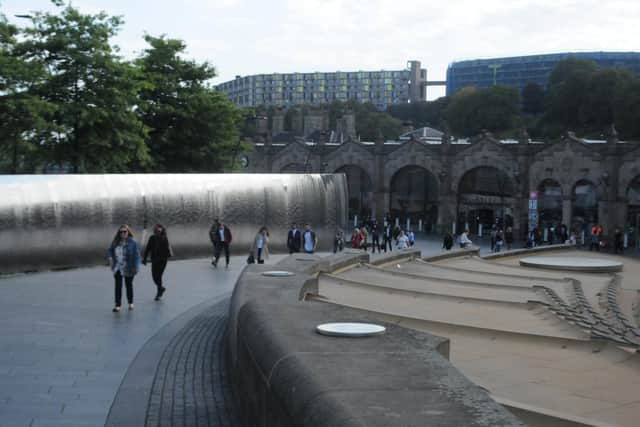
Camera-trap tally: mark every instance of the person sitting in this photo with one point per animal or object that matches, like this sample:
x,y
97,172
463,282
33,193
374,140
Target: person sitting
x,y
464,239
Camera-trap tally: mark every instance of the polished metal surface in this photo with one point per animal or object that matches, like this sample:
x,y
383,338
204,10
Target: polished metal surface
x,y
350,329
49,221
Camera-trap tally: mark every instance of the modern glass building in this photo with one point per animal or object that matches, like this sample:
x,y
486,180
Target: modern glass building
x,y
380,88
517,71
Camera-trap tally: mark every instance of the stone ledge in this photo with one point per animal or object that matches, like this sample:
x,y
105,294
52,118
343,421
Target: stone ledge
x,y
286,374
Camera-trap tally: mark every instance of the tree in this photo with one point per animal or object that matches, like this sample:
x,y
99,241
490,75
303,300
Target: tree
x,y
567,92
472,110
532,99
21,113
421,114
93,90
193,127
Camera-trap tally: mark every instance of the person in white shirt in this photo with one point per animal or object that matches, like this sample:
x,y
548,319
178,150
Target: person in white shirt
x,y
309,239
260,247
464,239
403,241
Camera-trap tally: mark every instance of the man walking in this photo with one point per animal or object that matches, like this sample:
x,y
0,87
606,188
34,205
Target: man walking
x,y
309,239
387,237
294,239
220,236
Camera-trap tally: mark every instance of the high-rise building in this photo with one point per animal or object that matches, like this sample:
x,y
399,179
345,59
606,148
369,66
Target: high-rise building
x,y
381,88
518,71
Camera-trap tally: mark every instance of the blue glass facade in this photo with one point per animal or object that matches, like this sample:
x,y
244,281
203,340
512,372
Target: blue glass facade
x,y
517,71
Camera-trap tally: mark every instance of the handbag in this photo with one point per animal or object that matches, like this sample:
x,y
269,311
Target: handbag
x,y
250,259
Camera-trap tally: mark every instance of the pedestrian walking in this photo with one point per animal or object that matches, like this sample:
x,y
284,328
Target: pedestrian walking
x,y
387,237
309,239
508,237
260,246
618,241
447,241
124,260
220,236
338,241
160,250
411,236
294,239
375,239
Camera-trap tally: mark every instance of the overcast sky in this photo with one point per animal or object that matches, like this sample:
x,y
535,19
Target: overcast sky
x,y
241,37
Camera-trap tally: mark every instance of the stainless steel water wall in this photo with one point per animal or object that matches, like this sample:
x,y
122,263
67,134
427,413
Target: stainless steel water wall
x,y
57,221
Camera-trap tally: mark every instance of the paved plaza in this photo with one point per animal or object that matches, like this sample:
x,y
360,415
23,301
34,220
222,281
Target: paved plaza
x,y
67,360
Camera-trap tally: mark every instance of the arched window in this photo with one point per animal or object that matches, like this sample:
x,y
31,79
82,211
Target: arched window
x,y
414,196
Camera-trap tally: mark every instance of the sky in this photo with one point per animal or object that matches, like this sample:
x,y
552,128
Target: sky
x,y
241,37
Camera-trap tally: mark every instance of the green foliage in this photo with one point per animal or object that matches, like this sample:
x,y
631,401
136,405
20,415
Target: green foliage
x,y
532,99
421,114
22,114
471,110
588,100
193,127
92,89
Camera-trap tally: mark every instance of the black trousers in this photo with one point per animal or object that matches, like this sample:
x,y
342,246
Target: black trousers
x,y
128,282
219,248
375,244
157,270
388,242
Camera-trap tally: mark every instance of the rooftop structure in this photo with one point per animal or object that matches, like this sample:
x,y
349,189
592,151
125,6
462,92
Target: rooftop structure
x,y
518,71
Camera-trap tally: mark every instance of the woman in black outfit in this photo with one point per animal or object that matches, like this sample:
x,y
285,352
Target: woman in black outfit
x,y
160,249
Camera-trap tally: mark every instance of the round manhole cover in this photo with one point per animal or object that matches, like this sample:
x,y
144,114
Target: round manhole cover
x,y
278,273
350,329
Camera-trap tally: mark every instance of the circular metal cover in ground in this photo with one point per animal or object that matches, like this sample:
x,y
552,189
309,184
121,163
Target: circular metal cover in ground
x,y
350,329
278,273
585,264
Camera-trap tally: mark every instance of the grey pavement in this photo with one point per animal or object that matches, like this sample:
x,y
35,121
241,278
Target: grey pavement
x,y
64,353
66,359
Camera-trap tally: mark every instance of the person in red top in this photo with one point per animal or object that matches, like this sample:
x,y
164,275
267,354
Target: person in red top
x,y
596,237
220,236
356,239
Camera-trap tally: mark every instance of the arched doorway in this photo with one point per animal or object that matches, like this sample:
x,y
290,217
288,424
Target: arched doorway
x,y
485,198
550,202
584,206
633,211
413,196
360,191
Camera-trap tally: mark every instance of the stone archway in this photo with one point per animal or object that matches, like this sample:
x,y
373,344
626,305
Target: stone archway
x,y
633,211
485,199
584,206
360,191
413,197
293,168
550,202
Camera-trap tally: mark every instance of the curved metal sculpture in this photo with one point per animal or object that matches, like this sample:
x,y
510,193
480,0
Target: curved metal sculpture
x,y
57,221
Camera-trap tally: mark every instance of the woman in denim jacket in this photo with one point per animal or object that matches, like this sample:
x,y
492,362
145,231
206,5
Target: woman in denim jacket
x,y
124,259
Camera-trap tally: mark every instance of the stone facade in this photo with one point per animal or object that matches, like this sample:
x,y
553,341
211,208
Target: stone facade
x,y
607,168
